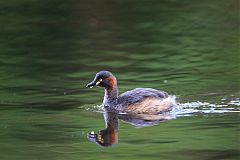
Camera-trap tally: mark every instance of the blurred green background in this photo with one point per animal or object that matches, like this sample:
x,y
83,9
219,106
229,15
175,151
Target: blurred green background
x,y
49,51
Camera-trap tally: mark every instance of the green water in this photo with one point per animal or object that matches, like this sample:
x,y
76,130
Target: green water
x,y
49,51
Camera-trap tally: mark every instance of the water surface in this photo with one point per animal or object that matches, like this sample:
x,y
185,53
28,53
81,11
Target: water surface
x,y
49,51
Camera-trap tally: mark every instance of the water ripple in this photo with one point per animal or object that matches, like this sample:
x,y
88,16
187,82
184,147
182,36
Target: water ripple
x,y
194,108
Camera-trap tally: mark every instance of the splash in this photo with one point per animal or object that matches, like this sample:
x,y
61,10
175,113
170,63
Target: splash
x,y
195,108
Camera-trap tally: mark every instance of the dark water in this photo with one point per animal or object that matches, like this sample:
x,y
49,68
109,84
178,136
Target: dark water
x,y
49,51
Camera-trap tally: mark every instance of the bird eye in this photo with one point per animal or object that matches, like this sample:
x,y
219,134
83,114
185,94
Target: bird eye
x,y
99,81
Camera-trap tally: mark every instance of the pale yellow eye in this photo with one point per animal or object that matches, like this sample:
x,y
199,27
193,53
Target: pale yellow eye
x,y
99,81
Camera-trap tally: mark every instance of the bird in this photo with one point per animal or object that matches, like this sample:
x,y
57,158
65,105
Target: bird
x,y
137,101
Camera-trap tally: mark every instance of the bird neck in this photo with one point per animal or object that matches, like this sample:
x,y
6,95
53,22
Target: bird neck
x,y
111,94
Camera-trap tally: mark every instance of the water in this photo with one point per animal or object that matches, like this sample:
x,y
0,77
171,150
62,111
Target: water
x,y
49,51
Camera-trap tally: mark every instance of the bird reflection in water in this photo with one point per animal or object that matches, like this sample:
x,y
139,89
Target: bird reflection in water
x,y
109,136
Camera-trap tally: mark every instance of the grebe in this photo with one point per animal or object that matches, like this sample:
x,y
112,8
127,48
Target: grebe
x,y
139,100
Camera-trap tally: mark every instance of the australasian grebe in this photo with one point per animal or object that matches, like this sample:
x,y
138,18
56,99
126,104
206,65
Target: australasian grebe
x,y
139,100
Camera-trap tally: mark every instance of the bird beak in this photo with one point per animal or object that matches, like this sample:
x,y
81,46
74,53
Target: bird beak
x,y
94,83
91,84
